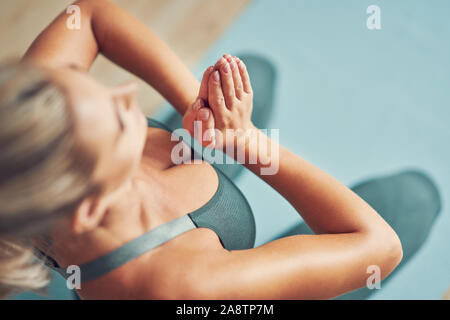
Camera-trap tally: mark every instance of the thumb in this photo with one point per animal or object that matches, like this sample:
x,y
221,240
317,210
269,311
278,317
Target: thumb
x,y
204,127
190,115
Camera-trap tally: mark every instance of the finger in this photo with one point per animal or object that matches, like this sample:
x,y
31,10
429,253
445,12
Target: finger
x,y
199,103
227,83
227,56
191,114
238,86
203,92
205,127
216,99
245,77
219,63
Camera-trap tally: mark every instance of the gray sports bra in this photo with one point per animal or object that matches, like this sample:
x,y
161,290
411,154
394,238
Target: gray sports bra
x,y
227,213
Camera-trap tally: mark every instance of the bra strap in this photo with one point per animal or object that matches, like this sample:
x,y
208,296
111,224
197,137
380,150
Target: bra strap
x,y
152,123
132,249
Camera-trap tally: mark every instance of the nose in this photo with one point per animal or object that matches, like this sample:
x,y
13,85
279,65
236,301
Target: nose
x,y
129,87
127,92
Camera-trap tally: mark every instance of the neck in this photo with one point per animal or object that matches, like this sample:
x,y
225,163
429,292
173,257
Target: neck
x,y
124,218
134,208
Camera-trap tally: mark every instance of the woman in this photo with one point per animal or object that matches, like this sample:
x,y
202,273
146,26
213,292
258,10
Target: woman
x,y
87,183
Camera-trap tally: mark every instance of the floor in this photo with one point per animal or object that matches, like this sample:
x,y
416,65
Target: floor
x,y
357,103
190,27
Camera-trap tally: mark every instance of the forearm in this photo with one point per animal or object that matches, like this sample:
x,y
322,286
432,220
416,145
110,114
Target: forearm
x,y
325,204
110,30
129,43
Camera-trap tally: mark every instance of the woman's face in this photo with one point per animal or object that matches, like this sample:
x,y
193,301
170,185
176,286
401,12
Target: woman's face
x,y
108,125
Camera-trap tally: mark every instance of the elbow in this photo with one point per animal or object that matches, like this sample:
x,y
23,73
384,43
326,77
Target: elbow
x,y
394,252
388,251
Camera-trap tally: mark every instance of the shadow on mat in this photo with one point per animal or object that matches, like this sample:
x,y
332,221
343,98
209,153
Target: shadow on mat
x,y
409,202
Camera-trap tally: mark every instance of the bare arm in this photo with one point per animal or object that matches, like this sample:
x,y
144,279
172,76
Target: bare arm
x,y
111,31
326,204
351,236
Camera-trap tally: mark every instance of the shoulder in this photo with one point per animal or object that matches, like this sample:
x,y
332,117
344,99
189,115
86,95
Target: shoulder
x,y
174,270
177,269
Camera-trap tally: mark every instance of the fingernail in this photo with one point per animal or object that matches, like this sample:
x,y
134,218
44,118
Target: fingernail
x,y
241,64
233,64
226,68
216,75
203,114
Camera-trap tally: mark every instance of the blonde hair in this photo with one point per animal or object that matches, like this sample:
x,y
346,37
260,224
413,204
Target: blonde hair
x,y
43,174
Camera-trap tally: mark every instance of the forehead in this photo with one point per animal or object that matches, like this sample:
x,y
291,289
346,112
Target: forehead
x,y
86,97
77,84
90,104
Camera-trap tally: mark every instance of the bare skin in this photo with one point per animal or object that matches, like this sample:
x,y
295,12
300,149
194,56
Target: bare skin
x,y
143,189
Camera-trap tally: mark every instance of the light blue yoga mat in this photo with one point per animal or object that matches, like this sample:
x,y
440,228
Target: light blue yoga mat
x,y
358,103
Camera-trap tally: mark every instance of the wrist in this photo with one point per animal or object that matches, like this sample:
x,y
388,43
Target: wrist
x,y
249,141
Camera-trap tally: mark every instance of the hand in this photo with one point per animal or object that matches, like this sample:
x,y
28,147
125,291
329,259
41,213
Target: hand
x,y
199,111
223,106
230,98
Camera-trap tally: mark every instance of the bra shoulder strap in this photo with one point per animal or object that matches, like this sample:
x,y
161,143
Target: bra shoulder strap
x,y
49,262
135,248
152,123
128,251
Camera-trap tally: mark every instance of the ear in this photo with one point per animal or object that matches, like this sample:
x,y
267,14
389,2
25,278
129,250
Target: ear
x,y
88,215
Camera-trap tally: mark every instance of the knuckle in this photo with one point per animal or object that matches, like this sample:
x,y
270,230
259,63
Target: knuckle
x,y
242,112
229,96
219,101
226,122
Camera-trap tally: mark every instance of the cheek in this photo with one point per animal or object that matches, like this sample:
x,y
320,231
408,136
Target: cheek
x,y
142,125
132,153
122,168
140,134
131,158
